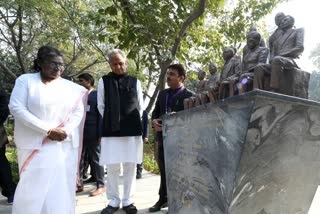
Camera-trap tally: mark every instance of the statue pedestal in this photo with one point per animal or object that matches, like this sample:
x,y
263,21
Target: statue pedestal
x,y
257,153
294,82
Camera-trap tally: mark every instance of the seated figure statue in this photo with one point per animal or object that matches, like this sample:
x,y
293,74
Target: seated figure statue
x,y
253,56
214,77
285,75
210,92
201,96
202,81
212,86
230,73
262,42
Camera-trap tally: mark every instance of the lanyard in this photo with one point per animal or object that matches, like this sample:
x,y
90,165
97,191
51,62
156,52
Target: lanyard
x,y
172,97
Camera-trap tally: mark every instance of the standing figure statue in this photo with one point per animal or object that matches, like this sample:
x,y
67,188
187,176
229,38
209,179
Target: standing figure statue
x,y
230,73
253,56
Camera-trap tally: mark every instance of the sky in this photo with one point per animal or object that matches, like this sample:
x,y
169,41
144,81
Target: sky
x,y
307,16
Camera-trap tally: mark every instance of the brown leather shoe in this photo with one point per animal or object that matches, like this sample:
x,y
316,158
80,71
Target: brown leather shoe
x,y
98,191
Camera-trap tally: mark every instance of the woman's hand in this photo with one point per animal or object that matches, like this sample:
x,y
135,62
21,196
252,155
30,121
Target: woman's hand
x,y
57,134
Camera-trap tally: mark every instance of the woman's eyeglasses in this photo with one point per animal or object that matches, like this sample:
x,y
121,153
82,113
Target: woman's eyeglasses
x,y
54,65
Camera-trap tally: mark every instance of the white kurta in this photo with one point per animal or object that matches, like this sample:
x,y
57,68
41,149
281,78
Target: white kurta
x,y
51,174
120,149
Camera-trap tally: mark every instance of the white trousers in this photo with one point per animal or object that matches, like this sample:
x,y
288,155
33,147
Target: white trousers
x,y
48,184
129,181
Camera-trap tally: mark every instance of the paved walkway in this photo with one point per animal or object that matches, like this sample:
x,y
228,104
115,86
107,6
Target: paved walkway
x,y
146,195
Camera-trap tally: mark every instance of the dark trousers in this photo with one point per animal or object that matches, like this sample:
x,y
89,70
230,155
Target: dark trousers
x,y
6,182
92,150
84,165
161,163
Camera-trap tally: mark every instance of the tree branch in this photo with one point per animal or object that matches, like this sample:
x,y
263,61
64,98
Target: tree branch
x,y
74,58
86,67
193,16
7,70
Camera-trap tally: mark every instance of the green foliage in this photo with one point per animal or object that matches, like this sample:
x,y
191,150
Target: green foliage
x,y
9,130
314,86
161,32
154,33
315,56
11,154
314,83
149,161
27,25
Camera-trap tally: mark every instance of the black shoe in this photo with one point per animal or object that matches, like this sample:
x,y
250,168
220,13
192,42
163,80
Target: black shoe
x,y
130,209
139,175
158,206
10,200
109,210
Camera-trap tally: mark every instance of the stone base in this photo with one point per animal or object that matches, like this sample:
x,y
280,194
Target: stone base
x,y
294,82
258,153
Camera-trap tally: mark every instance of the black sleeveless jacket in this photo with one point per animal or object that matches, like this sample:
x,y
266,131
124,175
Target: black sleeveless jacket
x,y
121,115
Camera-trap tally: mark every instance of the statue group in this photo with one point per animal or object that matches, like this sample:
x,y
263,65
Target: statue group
x,y
280,75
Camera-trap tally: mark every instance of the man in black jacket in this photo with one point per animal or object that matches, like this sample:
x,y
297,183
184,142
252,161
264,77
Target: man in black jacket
x,y
91,135
120,102
169,100
6,183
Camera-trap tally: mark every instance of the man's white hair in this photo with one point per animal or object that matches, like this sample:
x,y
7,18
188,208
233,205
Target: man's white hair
x,y
114,52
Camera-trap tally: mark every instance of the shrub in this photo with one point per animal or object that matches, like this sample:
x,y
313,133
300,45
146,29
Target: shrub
x,y
11,153
149,161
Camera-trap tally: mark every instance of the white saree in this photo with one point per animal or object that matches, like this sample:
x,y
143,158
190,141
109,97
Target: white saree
x,y
47,185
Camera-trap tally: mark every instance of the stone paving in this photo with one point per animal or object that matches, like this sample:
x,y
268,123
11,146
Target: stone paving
x,y
146,195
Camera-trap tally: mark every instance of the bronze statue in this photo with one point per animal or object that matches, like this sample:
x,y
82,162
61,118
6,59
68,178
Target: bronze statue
x,y
262,43
202,81
286,45
214,77
253,56
276,34
230,73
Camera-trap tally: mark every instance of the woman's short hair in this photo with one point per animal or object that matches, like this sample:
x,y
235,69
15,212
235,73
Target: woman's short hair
x,y
45,53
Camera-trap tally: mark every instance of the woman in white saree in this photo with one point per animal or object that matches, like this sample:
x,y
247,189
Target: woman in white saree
x,y
48,112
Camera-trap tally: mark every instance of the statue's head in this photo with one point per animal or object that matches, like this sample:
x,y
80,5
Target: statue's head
x,y
212,68
253,39
287,22
201,75
252,28
278,18
228,53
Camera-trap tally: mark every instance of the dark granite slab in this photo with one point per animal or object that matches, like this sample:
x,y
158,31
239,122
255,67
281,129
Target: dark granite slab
x,y
255,153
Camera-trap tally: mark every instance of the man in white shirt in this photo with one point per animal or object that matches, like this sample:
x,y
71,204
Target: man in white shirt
x,y
120,103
